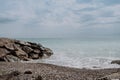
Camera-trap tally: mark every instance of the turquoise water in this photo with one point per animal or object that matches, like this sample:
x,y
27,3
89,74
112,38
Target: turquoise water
x,y
81,53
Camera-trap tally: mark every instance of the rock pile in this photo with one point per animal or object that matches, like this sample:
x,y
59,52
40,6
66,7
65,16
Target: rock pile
x,y
15,50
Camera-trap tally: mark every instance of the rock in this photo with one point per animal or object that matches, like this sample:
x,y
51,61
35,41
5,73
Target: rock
x,y
11,58
47,52
27,49
28,72
3,52
42,48
35,45
103,78
1,44
10,76
114,76
15,50
116,62
15,73
37,51
9,46
21,54
34,56
38,77
22,43
6,40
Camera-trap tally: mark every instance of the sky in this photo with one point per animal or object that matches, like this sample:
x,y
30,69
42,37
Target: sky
x,y
59,18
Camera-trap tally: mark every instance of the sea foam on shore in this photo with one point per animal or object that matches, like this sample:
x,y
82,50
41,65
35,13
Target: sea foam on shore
x,y
81,53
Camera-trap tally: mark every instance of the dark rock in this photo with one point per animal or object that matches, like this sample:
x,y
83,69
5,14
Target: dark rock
x,y
38,77
27,49
22,43
16,47
28,72
47,52
10,76
20,53
42,48
37,51
3,52
10,46
116,62
11,58
114,76
34,56
35,45
103,78
15,73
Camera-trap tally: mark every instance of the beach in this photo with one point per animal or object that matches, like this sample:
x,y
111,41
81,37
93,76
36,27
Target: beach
x,y
51,72
21,60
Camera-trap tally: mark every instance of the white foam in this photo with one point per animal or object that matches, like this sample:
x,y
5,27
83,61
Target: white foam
x,y
82,53
86,62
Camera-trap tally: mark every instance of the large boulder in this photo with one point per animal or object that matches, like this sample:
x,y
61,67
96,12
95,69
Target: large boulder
x,y
27,49
9,46
11,58
116,62
3,53
15,50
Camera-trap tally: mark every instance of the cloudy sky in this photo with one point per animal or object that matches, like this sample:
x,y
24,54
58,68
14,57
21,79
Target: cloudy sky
x,y
59,18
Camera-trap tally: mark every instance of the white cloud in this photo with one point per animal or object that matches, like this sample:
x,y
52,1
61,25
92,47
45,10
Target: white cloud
x,y
51,15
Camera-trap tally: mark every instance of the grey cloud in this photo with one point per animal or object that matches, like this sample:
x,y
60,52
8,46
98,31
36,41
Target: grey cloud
x,y
57,17
6,20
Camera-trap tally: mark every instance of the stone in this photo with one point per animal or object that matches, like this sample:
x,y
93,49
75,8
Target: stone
x,y
3,52
9,46
37,51
35,45
103,78
38,77
28,72
47,52
11,76
15,73
22,43
16,47
34,56
11,58
114,76
20,53
42,48
116,62
27,49
15,50
1,44
6,40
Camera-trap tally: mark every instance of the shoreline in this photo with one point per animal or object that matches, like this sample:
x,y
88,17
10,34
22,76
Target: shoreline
x,y
54,72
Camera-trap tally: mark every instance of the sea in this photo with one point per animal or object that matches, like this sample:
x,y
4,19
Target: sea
x,y
89,53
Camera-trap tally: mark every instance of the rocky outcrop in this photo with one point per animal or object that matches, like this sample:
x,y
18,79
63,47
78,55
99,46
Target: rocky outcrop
x,y
15,50
116,62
